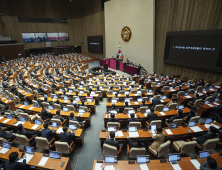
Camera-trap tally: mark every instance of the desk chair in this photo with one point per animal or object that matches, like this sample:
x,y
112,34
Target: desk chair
x,y
143,91
206,86
58,121
165,88
162,150
179,121
27,116
191,91
184,147
173,106
43,143
85,108
153,84
100,94
111,150
133,91
11,140
197,103
134,152
209,99
63,147
159,107
195,118
17,100
208,144
45,104
180,93
109,92
56,106
199,89
127,109
142,109
23,140
113,124
70,107
154,122
34,103
137,124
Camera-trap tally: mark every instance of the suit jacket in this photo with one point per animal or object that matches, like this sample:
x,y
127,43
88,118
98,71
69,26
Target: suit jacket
x,y
158,140
132,120
40,90
135,144
46,133
66,137
206,136
218,109
112,142
205,166
177,116
13,165
113,120
214,96
6,135
151,116
26,133
58,117
155,102
45,115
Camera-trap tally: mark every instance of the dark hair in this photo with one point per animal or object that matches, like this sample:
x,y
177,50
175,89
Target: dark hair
x,y
13,156
159,129
139,140
7,107
212,162
45,125
71,99
45,99
143,102
20,127
192,111
213,129
132,115
112,115
65,128
58,112
180,112
208,93
112,134
71,114
197,95
151,109
126,103
57,101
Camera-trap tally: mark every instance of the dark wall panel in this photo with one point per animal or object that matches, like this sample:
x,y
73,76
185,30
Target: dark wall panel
x,y
11,52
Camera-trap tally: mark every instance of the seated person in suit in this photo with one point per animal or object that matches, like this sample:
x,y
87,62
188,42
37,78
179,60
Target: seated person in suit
x,y
125,106
143,103
218,109
21,97
158,138
111,140
57,102
207,95
46,132
137,144
73,118
8,109
211,164
71,102
6,134
40,90
155,101
151,116
214,96
212,133
12,163
67,136
36,99
191,103
113,118
12,89
133,119
179,115
57,116
44,113
21,131
188,117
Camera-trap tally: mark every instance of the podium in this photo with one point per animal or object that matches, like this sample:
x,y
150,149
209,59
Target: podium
x,y
132,70
114,63
122,66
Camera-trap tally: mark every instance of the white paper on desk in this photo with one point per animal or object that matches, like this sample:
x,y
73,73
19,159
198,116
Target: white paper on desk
x,y
172,90
137,94
4,150
42,98
168,131
162,100
216,103
98,166
22,106
31,108
210,105
19,122
162,113
217,86
200,94
196,129
59,130
109,167
28,158
68,93
119,133
65,101
188,96
218,127
43,161
207,125
5,121
195,163
130,116
1,118
211,89
150,93
145,114
35,126
136,102
176,166
6,101
144,167
133,134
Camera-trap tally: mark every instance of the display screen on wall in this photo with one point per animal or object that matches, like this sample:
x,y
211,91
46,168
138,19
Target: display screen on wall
x,y
28,37
196,49
41,37
95,44
63,36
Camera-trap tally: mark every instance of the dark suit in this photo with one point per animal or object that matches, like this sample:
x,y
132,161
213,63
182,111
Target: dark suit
x,y
12,89
26,133
40,90
132,120
135,144
45,115
151,116
113,120
13,165
203,138
189,117
112,142
46,133
6,135
58,117
174,117
155,102
66,137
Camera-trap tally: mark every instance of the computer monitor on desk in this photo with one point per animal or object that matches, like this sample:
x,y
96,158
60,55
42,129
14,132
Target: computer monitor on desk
x,y
6,145
147,110
65,109
54,124
164,97
29,150
114,101
50,107
45,95
208,120
111,129
216,100
174,157
131,111
166,109
206,102
111,159
9,116
54,155
139,99
114,111
81,110
38,122
181,107
173,125
204,154
192,123
72,127
143,159
132,129
89,100
22,119
152,127
26,103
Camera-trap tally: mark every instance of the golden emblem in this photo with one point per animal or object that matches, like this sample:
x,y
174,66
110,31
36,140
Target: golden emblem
x,y
126,33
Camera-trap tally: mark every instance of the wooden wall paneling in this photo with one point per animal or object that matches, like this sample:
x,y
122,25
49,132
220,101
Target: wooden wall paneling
x,y
11,51
185,15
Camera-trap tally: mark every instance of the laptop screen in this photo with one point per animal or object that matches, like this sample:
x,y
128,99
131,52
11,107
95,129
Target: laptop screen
x,y
153,127
143,159
54,155
6,145
113,111
92,92
72,127
131,111
174,157
81,110
114,101
22,119
110,159
192,123
26,103
29,92
9,116
139,100
150,91
77,99
171,88
55,97
181,106
45,95
138,92
111,129
54,124
204,154
81,92
29,150
147,110
38,122
216,100
132,128
173,125
164,97
50,107
60,90
165,109
206,102
37,105
209,120
70,91
89,100
186,94
65,109
66,98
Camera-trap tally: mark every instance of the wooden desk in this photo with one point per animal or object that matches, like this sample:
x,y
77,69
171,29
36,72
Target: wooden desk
x,y
185,164
184,99
50,164
204,108
169,93
10,103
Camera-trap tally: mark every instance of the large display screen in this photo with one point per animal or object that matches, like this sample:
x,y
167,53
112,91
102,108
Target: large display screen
x,y
197,49
95,44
